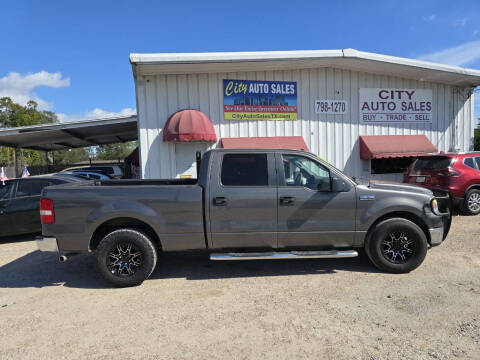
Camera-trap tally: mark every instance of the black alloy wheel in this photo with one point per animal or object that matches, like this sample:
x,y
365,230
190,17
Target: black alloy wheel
x,y
396,245
126,257
124,260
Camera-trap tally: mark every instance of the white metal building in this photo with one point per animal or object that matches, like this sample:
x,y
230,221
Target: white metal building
x,y
334,97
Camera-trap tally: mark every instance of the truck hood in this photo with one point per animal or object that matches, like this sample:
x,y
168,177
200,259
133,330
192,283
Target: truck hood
x,y
395,186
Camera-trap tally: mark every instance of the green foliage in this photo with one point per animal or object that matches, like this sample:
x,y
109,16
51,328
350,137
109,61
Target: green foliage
x,y
115,151
72,156
15,115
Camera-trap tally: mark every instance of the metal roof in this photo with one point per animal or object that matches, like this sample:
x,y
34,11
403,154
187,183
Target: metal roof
x,y
60,136
184,63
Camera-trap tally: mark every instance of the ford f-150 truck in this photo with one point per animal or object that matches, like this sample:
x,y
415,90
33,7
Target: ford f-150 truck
x,y
246,204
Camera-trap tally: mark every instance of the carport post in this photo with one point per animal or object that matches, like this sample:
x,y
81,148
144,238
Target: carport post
x,y
15,161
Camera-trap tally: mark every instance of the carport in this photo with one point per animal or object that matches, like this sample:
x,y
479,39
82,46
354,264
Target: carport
x,y
64,136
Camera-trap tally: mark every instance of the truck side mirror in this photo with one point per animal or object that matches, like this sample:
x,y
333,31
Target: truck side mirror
x,y
339,185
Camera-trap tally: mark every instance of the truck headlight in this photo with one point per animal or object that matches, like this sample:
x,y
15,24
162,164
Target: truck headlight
x,y
434,206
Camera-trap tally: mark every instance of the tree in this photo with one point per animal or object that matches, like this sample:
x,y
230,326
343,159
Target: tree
x,y
118,151
16,115
72,156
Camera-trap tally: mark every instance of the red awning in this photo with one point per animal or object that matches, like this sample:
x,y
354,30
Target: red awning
x,y
391,146
189,125
274,142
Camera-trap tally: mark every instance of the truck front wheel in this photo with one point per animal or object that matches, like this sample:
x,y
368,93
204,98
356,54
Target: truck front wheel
x,y
396,245
126,257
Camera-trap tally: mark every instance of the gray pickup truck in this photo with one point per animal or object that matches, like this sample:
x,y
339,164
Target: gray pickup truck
x,y
246,204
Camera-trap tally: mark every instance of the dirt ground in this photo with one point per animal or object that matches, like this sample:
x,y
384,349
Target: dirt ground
x,y
192,308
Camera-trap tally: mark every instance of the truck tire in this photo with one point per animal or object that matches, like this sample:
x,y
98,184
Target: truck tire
x,y
471,204
126,257
396,245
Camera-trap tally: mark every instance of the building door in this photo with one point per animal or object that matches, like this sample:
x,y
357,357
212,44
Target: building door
x,y
185,162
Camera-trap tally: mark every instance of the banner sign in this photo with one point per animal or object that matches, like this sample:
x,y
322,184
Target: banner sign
x,y
259,100
395,105
333,107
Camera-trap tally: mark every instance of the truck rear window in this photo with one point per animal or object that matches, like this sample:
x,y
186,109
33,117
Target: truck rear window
x,y
433,163
244,170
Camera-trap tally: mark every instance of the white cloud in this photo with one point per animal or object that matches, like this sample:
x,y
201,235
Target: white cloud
x,y
460,22
459,55
20,87
96,113
429,18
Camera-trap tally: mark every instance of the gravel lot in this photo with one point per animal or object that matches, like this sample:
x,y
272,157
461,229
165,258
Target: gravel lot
x,y
192,308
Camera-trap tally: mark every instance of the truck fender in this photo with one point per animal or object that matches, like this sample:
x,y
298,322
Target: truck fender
x,y
384,206
129,209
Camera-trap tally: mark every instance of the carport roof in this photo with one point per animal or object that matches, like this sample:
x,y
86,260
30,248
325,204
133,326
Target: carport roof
x,y
61,136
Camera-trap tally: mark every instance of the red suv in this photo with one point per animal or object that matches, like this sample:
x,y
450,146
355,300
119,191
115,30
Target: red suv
x,y
457,173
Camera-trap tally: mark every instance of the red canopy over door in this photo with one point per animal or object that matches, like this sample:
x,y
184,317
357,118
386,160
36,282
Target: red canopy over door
x,y
391,146
189,125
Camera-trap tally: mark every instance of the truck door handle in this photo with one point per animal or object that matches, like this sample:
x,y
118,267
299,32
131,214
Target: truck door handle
x,y
287,201
220,201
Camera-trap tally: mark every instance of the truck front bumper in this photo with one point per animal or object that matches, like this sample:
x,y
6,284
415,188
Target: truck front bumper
x,y
436,235
47,243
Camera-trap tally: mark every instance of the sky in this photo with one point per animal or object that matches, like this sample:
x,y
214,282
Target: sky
x,y
72,57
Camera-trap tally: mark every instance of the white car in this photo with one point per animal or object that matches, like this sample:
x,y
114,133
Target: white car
x,y
112,170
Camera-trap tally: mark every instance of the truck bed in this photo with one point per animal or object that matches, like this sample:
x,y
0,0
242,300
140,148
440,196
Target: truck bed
x,y
124,182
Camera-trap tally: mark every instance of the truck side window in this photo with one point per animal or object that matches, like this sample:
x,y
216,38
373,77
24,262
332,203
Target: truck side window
x,y
244,170
303,172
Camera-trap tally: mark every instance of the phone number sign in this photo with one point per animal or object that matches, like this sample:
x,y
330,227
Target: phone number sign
x,y
331,107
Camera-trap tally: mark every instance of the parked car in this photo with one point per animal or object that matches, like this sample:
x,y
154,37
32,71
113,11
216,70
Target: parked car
x,y
247,204
111,170
20,203
91,175
459,174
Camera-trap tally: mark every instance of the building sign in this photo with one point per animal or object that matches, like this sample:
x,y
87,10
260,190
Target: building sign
x,y
335,107
395,105
259,100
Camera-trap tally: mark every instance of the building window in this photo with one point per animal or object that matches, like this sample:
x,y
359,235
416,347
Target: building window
x,y
244,170
391,165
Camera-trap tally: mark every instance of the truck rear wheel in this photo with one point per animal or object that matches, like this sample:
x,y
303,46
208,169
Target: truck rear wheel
x,y
396,245
126,257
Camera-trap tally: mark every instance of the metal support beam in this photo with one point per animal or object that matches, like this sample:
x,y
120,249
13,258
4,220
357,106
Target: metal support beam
x,y
80,137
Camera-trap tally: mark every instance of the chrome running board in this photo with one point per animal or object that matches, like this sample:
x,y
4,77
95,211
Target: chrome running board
x,y
331,254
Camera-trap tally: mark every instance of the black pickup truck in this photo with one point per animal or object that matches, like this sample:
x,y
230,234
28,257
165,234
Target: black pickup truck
x,y
246,204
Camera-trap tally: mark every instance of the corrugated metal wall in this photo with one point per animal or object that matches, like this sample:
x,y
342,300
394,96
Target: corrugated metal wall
x,y
332,137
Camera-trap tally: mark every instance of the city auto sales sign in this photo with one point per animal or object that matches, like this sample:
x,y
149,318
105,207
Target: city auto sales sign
x,y
395,105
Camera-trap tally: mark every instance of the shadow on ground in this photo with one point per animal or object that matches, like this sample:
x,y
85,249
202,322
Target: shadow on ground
x,y
17,238
38,269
